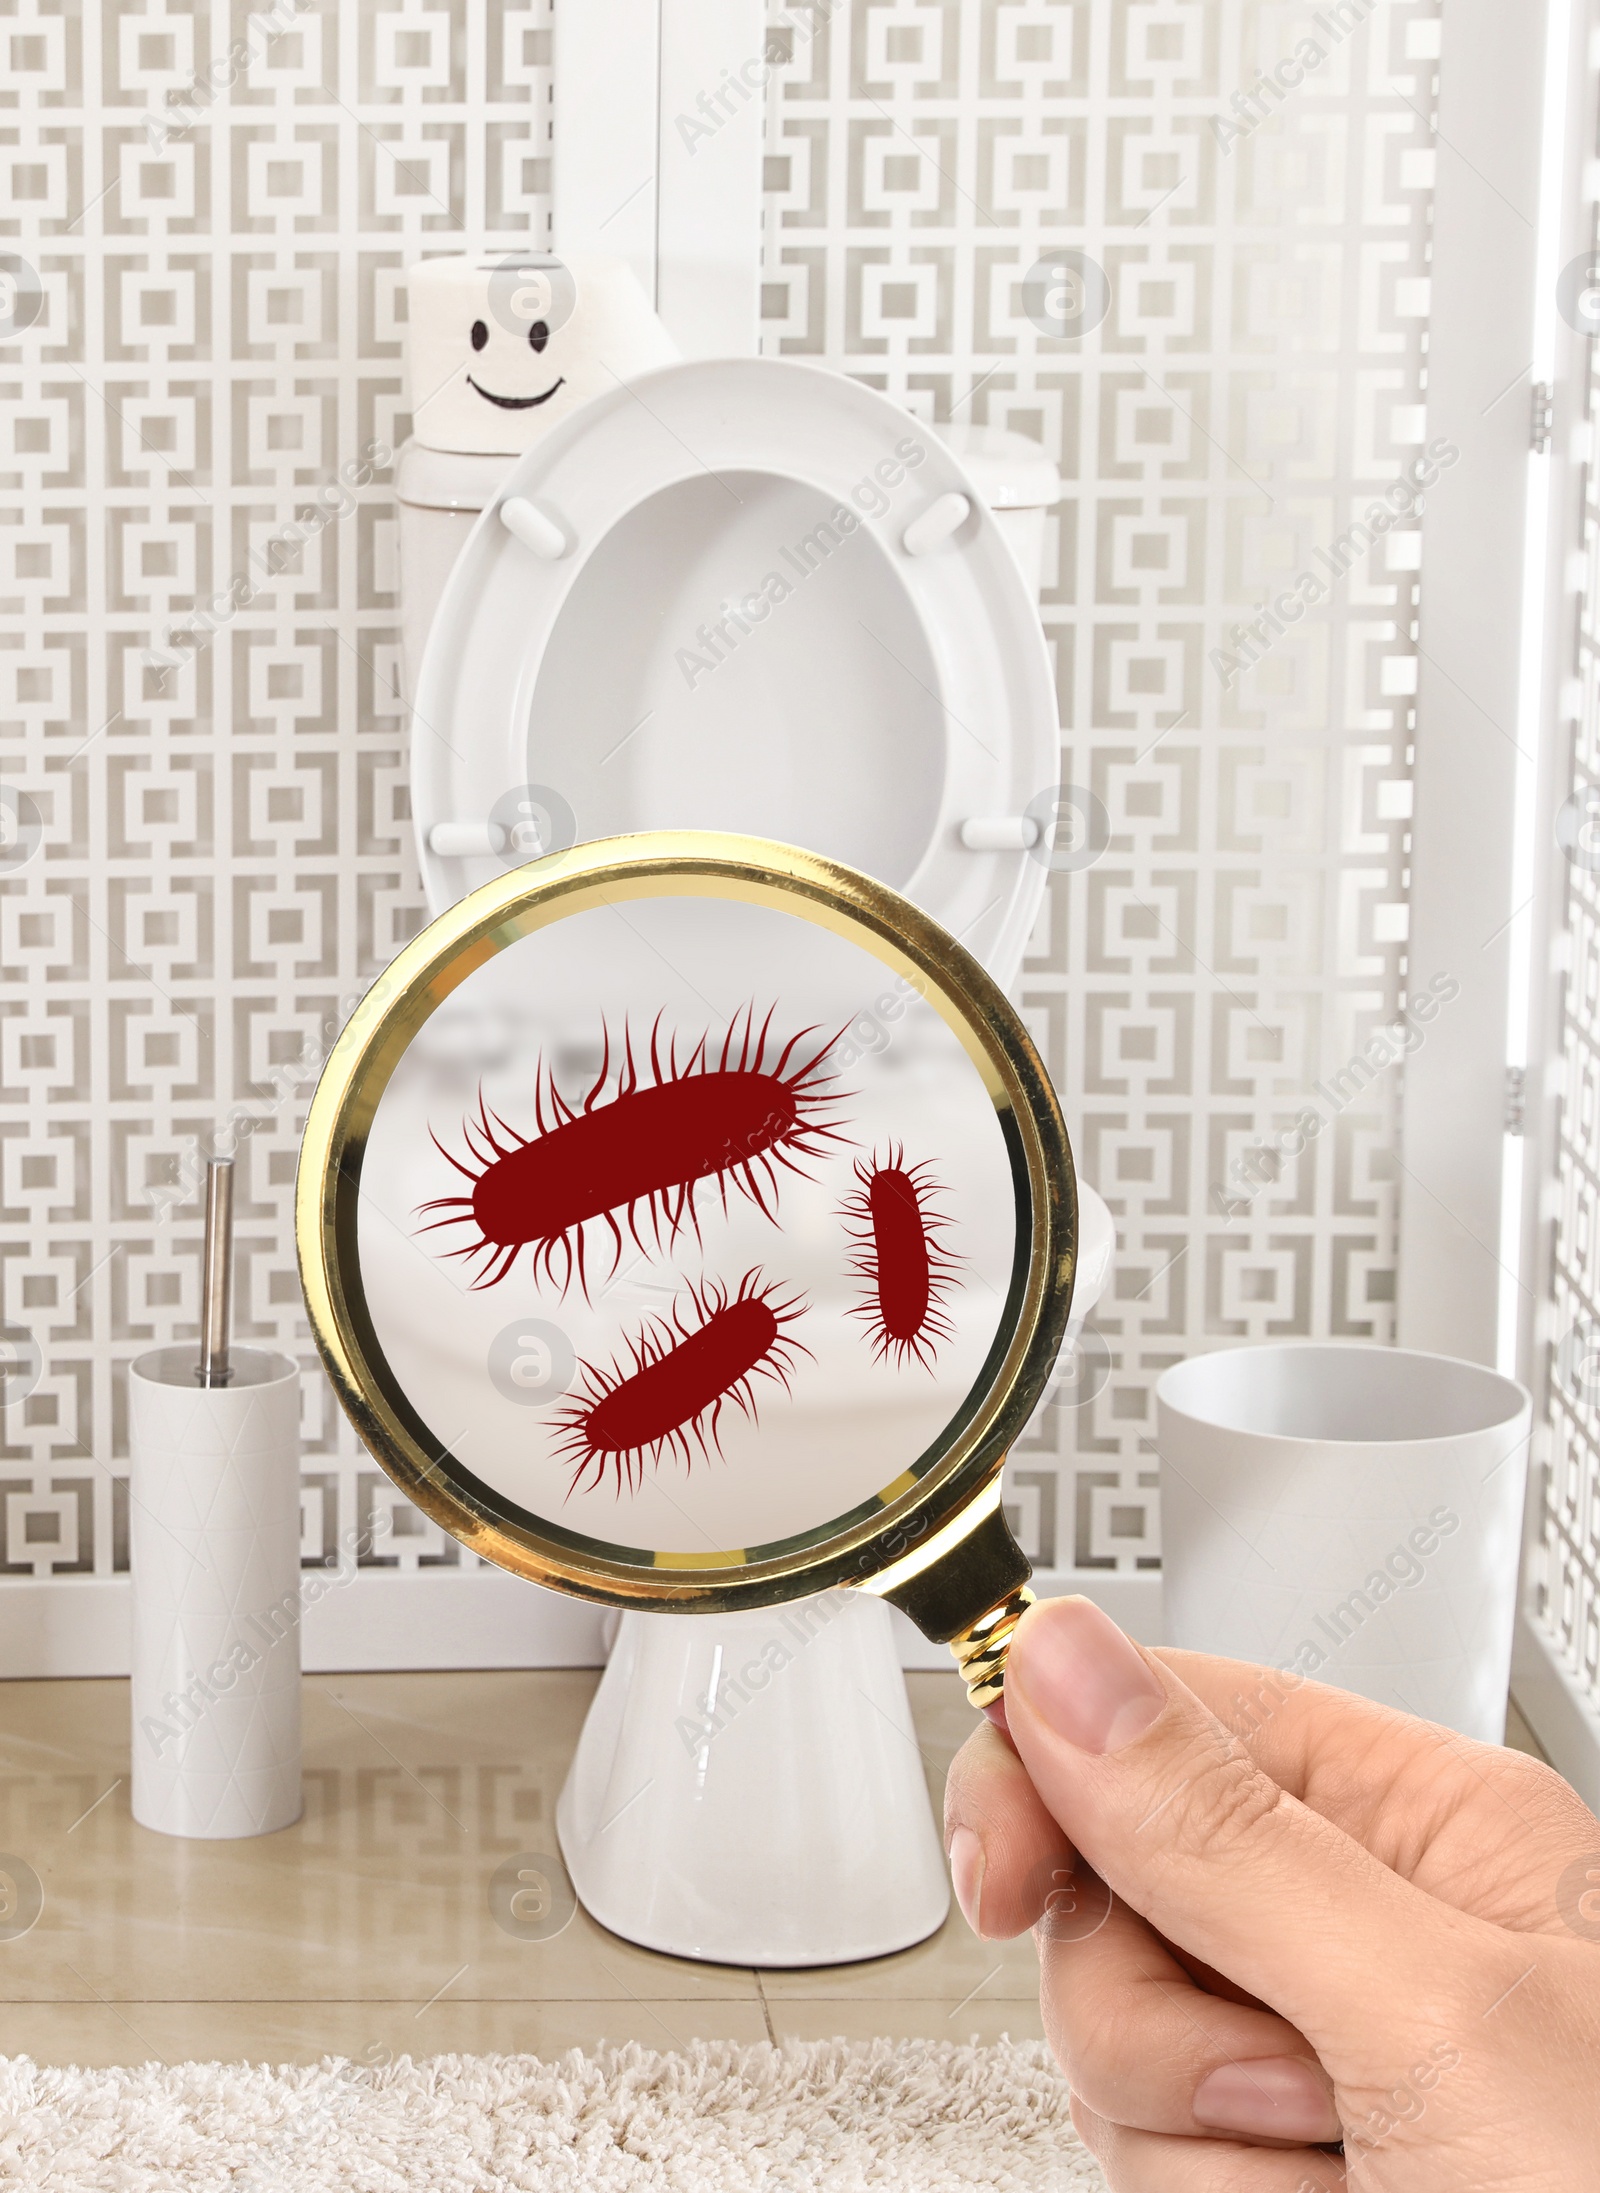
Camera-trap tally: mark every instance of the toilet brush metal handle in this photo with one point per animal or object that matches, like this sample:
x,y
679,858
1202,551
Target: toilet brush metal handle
x,y
216,1303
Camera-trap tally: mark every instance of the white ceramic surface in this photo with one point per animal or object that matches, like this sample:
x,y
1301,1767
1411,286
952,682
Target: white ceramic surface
x,y
783,665
474,379
1351,1512
214,1551
748,1789
1097,1245
791,1824
884,700
1019,484
440,493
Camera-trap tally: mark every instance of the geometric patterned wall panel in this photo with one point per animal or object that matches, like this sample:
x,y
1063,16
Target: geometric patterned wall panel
x,y
199,720
204,215
1565,1565
1221,950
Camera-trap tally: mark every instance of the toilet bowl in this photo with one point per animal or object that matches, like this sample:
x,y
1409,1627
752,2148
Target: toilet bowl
x,y
755,596
735,595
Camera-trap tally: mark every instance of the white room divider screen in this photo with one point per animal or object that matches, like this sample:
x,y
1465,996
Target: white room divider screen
x,y
206,216
1557,1674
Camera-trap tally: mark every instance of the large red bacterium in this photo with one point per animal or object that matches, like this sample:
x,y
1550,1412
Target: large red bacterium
x,y
683,1370
894,1234
730,1114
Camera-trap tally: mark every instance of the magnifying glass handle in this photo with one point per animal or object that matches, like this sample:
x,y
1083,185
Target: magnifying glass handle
x,y
981,1653
966,1588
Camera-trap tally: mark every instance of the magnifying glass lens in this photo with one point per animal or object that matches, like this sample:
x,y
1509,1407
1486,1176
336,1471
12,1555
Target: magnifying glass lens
x,y
687,1221
687,1226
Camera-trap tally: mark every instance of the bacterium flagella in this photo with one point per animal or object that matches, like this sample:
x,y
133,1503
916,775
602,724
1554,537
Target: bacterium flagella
x,y
735,1113
681,1372
897,1255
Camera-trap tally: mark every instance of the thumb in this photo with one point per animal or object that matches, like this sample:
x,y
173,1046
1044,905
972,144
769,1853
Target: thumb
x,y
1171,1810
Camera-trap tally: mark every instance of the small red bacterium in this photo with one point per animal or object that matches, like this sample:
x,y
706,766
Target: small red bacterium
x,y
723,1115
894,1236
670,1396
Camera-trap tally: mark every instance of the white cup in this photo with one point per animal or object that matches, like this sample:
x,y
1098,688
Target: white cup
x,y
1352,1513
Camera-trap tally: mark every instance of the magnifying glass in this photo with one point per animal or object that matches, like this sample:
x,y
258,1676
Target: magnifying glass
x,y
687,1222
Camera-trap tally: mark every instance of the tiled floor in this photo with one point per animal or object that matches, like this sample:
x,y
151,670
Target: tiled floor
x,y
365,1930
1518,1734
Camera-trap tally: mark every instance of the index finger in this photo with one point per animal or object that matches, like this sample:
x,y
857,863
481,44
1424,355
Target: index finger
x,y
1480,1827
1174,1815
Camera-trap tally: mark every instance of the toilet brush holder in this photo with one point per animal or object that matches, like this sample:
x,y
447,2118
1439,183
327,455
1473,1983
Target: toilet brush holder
x,y
214,1550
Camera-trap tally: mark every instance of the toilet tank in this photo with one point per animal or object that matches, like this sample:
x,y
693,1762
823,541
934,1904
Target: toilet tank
x,y
441,492
1017,481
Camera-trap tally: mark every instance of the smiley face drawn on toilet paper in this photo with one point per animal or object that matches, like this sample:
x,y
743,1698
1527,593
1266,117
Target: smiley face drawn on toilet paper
x,y
500,348
528,301
538,338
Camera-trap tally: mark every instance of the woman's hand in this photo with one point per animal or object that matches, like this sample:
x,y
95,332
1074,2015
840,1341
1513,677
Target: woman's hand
x,y
1272,1917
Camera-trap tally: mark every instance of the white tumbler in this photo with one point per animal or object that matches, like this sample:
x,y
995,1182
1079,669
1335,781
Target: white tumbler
x,y
214,1550
1351,1513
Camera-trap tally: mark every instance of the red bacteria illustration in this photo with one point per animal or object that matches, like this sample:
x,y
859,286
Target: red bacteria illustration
x,y
682,1371
723,1115
895,1229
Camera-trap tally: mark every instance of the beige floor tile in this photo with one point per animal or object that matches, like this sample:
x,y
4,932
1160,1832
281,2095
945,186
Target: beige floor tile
x,y
366,2033
909,2018
943,1717
344,1936
948,1966
419,1788
366,1929
1519,1737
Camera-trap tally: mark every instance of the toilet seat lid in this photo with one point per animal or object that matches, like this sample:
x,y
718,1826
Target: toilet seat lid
x,y
753,596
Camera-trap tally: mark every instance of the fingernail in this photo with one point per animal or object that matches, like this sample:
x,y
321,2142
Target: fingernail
x,y
1081,1675
1278,2097
966,1874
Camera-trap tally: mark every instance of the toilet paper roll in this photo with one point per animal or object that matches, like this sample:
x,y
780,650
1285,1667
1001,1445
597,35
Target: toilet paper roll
x,y
500,348
214,1551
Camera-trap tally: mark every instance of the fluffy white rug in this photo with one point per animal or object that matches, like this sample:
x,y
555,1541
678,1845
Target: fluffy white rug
x,y
929,2117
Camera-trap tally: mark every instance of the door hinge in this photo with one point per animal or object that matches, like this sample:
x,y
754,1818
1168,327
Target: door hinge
x,y
1542,422
1516,1112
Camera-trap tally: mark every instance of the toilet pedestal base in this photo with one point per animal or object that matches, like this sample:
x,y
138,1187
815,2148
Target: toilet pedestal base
x,y
748,1789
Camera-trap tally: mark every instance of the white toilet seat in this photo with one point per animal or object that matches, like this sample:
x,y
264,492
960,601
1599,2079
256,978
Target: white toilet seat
x,y
895,697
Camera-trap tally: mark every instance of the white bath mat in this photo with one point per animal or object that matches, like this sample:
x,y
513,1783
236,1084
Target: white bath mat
x,y
928,2117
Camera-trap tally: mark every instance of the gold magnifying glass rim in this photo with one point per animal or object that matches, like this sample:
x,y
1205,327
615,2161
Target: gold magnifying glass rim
x,y
917,1510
